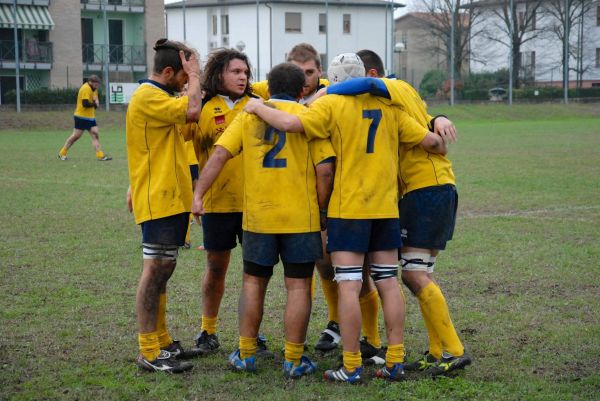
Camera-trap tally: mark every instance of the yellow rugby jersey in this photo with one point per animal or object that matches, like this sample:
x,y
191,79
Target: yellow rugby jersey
x,y
364,132
226,193
280,195
190,153
159,173
418,168
261,88
85,92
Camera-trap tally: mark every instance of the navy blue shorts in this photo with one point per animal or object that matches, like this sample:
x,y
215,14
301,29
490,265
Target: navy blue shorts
x,y
265,249
169,230
428,216
222,231
194,171
84,124
362,235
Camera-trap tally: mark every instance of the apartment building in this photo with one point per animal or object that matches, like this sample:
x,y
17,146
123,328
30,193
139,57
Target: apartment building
x,y
63,41
267,29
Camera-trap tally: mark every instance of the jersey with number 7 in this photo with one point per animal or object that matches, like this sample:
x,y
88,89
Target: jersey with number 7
x,y
365,132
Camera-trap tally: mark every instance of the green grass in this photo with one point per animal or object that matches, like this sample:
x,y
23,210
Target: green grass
x,y
521,276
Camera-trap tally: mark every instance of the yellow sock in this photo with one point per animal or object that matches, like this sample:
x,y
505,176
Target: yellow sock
x,y
369,309
164,339
293,352
99,154
330,291
313,287
352,360
435,345
435,310
209,324
149,347
394,355
247,347
63,151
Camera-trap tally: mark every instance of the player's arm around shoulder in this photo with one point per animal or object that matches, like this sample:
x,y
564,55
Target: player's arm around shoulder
x,y
413,133
209,174
276,118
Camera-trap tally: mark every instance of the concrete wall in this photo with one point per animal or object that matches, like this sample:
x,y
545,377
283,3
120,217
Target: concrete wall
x,y
154,28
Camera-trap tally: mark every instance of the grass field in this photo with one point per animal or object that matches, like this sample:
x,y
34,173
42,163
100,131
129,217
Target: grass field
x,y
522,275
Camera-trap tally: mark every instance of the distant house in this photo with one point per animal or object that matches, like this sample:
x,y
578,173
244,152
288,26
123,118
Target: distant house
x,y
63,41
332,27
541,57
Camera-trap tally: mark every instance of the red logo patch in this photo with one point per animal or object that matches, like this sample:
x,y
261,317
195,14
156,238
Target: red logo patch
x,y
219,120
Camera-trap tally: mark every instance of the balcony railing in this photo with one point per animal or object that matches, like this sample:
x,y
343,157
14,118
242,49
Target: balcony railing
x,y
128,3
117,54
31,51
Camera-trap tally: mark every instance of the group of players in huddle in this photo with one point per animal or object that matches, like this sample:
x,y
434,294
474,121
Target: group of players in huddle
x,y
349,177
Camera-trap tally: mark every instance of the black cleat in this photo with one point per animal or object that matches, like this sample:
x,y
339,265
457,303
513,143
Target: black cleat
x,y
165,362
207,343
449,363
177,351
330,338
427,361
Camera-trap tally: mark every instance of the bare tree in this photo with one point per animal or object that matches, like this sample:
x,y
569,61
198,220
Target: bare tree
x,y
569,13
440,16
512,28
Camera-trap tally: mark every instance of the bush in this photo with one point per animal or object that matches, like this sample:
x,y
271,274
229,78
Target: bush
x,y
475,94
486,80
45,96
432,82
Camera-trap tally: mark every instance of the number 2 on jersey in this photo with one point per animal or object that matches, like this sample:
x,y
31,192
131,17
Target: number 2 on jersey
x,y
375,116
270,161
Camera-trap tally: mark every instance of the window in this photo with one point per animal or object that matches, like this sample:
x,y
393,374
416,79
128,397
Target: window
x,y
346,23
225,24
87,40
293,22
322,23
597,57
528,65
323,58
527,20
214,25
598,16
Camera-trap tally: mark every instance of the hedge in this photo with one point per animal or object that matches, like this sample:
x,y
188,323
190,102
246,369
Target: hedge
x,y
45,96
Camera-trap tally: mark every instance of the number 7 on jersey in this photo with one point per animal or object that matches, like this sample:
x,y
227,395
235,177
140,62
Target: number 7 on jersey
x,y
375,116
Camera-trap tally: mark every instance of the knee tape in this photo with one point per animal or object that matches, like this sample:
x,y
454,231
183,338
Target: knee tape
x,y
154,251
431,266
381,272
415,261
348,273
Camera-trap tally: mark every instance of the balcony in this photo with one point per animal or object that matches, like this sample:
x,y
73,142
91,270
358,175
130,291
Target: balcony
x,y
121,57
33,55
133,6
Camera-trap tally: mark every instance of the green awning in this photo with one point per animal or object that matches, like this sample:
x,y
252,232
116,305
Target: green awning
x,y
28,17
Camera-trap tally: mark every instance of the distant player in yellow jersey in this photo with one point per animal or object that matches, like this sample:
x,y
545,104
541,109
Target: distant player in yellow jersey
x,y
427,217
362,215
160,194
281,217
226,84
85,119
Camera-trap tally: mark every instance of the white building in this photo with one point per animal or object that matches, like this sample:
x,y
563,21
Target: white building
x,y
541,57
353,25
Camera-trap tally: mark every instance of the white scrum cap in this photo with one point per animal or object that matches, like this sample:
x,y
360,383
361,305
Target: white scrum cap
x,y
345,66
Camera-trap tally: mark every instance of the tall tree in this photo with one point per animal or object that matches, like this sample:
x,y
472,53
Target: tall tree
x,y
441,15
516,26
571,14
